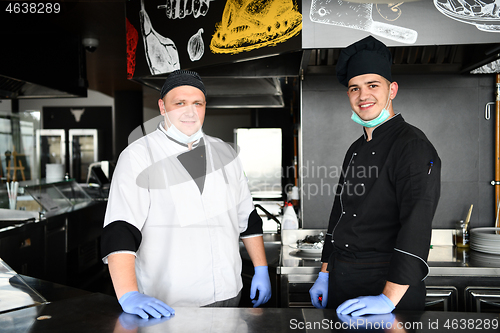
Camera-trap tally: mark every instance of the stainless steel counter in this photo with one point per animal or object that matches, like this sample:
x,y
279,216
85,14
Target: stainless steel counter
x,y
450,267
444,258
64,309
100,313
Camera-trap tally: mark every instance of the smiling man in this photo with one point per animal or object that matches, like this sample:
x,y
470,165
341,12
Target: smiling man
x,y
179,203
371,98
183,106
375,254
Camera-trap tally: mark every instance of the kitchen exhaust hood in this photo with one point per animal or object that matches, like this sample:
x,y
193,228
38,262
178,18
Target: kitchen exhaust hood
x,y
234,93
257,83
11,88
244,92
44,65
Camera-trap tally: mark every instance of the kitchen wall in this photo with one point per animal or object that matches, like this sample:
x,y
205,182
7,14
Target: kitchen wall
x,y
448,108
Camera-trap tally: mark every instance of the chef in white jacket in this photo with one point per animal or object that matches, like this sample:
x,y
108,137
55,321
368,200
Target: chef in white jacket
x,y
179,203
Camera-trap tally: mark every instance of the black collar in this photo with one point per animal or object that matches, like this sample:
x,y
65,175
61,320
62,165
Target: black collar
x,y
385,126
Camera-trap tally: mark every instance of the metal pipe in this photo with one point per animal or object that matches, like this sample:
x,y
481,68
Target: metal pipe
x,y
270,217
497,145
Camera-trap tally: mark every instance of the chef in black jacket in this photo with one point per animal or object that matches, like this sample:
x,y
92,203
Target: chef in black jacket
x,y
375,253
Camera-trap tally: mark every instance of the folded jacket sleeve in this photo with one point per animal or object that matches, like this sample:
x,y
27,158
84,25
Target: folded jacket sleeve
x,y
119,236
254,227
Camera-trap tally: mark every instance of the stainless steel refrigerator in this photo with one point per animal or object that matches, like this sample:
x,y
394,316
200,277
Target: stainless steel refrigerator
x,y
83,150
50,149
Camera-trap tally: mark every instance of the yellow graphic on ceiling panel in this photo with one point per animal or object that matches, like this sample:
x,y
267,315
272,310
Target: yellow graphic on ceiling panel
x,y
251,24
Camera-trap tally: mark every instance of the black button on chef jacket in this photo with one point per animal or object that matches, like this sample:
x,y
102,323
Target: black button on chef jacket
x,y
386,199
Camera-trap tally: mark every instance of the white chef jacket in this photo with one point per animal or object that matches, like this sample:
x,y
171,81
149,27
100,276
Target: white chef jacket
x,y
189,254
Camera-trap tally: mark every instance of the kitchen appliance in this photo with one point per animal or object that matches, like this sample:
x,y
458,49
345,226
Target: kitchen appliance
x,y
83,150
50,149
298,269
260,152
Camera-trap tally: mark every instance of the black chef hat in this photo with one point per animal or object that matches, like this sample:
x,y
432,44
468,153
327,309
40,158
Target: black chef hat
x,y
367,56
182,77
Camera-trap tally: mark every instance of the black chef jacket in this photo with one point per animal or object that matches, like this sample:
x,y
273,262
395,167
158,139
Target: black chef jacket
x,y
386,199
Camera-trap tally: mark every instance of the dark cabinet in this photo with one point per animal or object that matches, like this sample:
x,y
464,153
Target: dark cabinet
x,y
62,248
83,236
55,249
482,299
23,251
466,293
441,298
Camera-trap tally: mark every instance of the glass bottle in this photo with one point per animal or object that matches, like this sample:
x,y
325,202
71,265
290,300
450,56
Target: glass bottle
x,y
461,235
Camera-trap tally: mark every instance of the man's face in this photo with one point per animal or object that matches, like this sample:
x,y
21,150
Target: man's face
x,y
369,94
184,106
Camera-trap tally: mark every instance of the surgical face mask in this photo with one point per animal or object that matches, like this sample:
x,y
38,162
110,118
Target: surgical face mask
x,y
371,123
177,135
383,116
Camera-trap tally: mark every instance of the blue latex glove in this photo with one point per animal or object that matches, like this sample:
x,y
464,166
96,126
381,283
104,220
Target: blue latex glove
x,y
143,305
320,288
131,321
260,282
367,322
366,305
